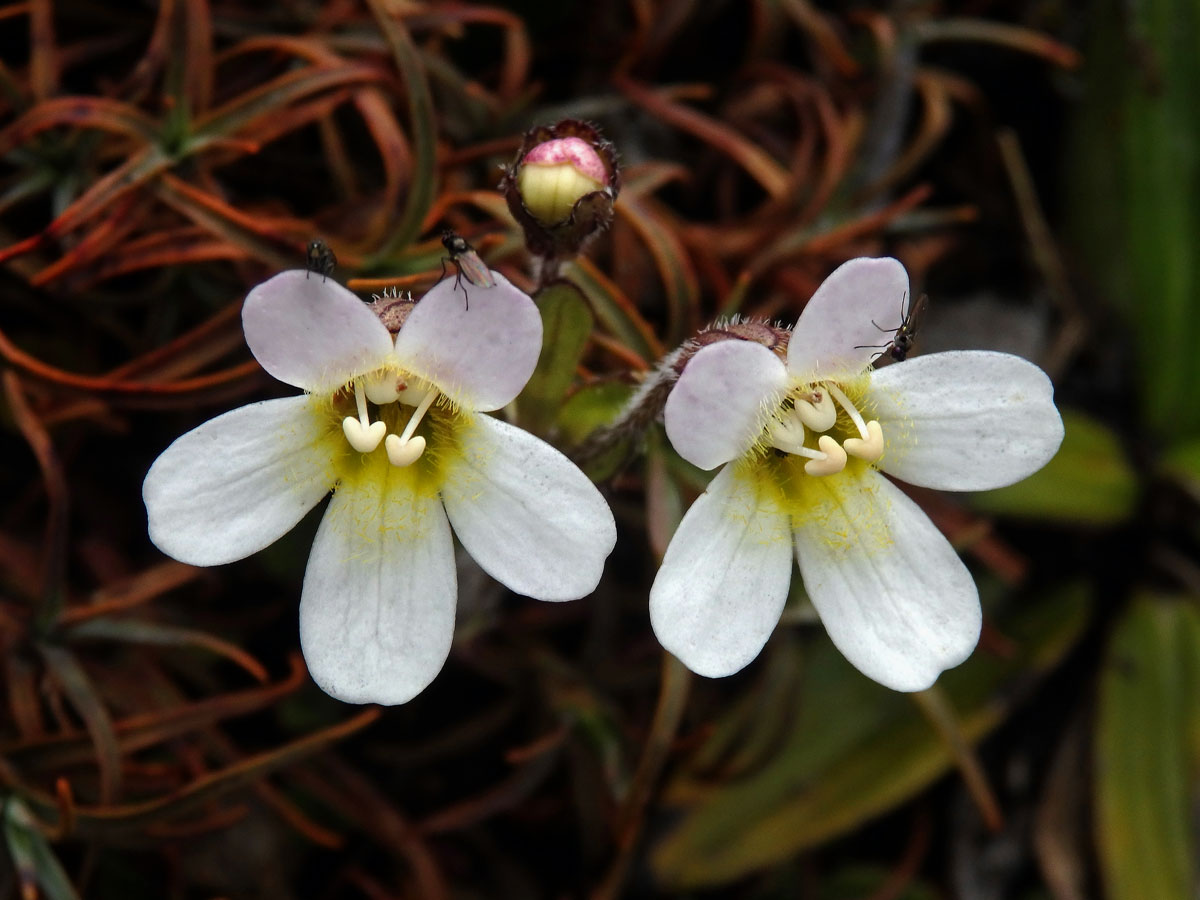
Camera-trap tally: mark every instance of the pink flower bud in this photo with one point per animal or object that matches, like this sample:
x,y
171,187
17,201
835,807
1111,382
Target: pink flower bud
x,y
554,175
561,187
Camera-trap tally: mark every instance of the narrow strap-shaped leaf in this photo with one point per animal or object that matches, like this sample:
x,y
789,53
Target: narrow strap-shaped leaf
x,y
1146,758
422,126
78,687
37,866
135,631
104,113
240,113
613,308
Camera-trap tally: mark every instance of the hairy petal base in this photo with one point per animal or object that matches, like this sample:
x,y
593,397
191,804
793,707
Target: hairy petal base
x,y
718,408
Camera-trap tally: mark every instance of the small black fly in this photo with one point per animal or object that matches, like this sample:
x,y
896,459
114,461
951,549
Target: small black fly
x,y
320,258
468,263
901,343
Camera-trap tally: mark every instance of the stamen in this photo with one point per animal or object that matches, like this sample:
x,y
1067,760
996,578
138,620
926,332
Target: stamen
x,y
818,413
412,393
404,449
870,449
419,414
403,454
786,432
382,389
834,458
854,414
361,402
362,434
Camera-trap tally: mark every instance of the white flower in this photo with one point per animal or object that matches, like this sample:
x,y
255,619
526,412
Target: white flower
x,y
392,427
803,441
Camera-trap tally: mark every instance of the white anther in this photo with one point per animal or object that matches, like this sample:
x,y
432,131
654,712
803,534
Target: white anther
x,y
786,432
384,389
855,415
361,433
412,393
818,414
403,453
363,439
834,461
870,449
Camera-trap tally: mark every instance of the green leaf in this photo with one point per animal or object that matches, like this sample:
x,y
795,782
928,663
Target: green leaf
x,y
1134,175
614,310
1182,463
851,751
592,407
566,325
32,856
1090,480
1147,753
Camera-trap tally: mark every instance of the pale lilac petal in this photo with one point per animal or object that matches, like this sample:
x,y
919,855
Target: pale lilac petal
x,y
724,579
480,357
239,482
311,332
890,590
722,401
526,513
377,609
965,420
837,327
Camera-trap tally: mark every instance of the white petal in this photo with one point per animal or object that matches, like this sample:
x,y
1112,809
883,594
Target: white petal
x,y
239,482
862,303
892,593
720,404
480,356
526,513
377,610
965,420
724,580
311,332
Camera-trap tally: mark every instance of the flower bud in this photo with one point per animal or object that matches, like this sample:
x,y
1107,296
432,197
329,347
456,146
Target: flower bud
x,y
561,187
555,174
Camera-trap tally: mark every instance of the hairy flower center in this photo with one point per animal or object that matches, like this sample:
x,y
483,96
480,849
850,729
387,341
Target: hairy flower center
x,y
383,388
812,409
